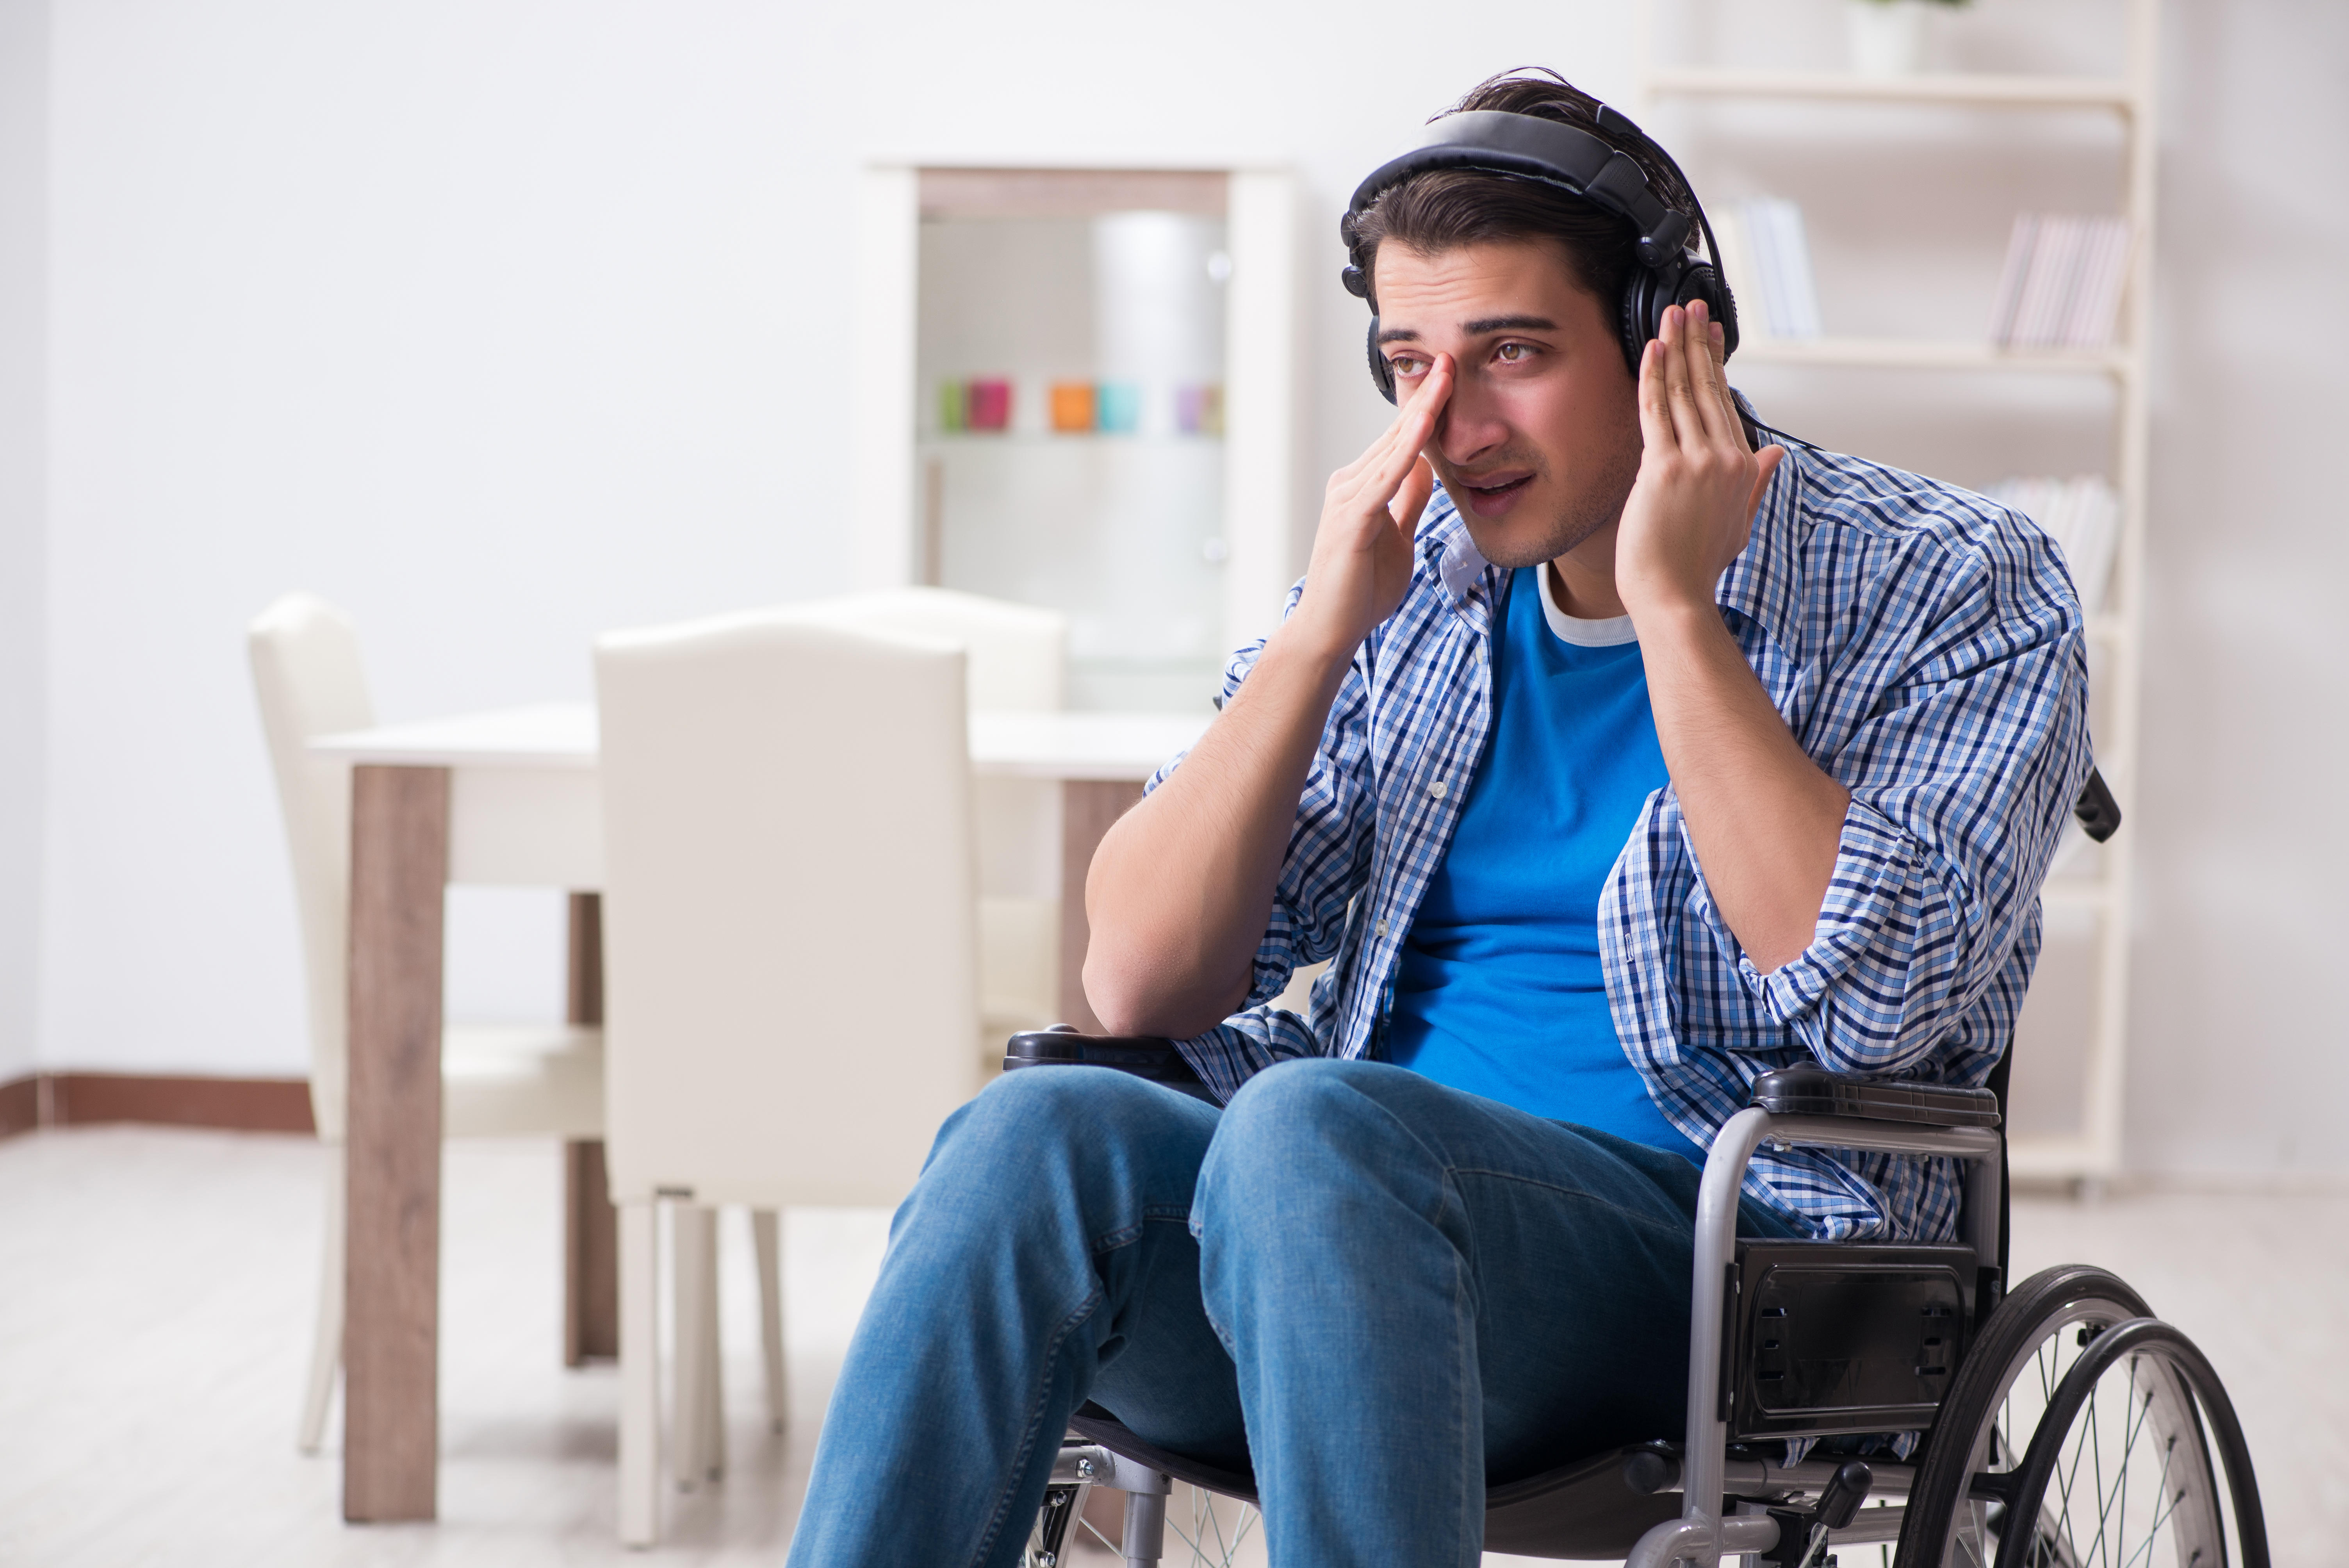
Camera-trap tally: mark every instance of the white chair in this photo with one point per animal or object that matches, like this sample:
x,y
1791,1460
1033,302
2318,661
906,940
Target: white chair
x,y
791,947
531,1081
1018,663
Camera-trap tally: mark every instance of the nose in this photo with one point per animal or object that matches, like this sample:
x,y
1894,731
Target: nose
x,y
1471,423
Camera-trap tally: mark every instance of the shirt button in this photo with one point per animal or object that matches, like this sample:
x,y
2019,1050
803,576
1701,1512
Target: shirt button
x,y
1383,928
1439,789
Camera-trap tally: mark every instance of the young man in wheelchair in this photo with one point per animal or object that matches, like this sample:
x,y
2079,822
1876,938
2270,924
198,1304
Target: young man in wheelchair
x,y
1614,762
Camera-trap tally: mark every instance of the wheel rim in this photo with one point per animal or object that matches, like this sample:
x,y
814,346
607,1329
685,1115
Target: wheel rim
x,y
1203,1530
2133,1486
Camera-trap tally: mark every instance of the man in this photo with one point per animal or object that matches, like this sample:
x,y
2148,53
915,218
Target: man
x,y
1630,764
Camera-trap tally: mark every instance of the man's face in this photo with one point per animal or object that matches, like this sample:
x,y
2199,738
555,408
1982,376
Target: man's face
x,y
1539,442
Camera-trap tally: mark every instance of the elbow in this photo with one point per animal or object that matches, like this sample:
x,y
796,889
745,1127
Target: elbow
x,y
1133,997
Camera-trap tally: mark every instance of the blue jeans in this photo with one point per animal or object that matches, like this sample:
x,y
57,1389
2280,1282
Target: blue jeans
x,y
1384,1292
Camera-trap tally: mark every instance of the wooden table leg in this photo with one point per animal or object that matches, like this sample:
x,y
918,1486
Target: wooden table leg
x,y
399,868
590,1227
1088,808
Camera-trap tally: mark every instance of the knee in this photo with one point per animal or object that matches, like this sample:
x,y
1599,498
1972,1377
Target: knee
x,y
1067,1132
1309,1125
1045,1115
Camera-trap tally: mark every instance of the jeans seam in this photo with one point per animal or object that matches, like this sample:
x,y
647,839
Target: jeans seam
x,y
1083,1310
1126,1235
1472,1537
1584,1193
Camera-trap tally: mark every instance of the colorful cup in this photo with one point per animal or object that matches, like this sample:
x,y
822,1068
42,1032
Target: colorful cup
x,y
988,404
1073,407
1117,407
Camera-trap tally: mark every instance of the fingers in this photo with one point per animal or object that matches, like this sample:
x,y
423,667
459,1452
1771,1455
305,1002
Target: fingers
x,y
1411,498
1411,431
1767,461
1679,390
1707,391
1655,412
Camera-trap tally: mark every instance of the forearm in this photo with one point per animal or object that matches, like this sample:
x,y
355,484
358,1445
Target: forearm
x,y
1765,819
1181,888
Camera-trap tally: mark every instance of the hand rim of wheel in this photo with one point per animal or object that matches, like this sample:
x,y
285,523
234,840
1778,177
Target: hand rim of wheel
x,y
2054,1299
2138,1335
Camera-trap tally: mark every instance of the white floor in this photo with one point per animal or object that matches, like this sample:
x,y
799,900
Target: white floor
x,y
156,1290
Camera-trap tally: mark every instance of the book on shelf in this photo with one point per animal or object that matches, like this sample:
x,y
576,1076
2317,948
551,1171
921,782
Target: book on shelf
x,y
2061,286
2082,515
1767,258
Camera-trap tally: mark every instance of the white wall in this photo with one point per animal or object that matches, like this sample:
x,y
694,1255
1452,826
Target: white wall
x,y
2239,1059
501,323
23,326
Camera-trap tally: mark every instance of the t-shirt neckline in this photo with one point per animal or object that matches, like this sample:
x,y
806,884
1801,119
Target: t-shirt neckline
x,y
1612,632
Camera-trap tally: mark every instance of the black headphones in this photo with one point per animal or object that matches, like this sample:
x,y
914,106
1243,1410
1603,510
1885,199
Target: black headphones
x,y
1550,152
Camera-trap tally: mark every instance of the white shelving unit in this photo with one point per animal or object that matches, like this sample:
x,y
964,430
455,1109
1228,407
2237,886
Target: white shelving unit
x,y
900,451
2102,891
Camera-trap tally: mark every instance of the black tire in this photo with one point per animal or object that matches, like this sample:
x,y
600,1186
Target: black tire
x,y
2148,1433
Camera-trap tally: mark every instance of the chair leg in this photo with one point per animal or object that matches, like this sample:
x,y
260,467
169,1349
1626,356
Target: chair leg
x,y
639,1375
697,1418
326,1343
713,1371
766,1240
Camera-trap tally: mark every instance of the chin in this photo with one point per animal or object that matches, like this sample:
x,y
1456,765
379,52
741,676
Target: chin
x,y
1517,541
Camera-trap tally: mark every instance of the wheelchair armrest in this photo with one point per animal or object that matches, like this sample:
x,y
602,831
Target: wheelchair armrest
x,y
1140,1055
1814,1091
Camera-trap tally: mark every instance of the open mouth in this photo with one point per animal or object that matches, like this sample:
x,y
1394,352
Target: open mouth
x,y
1494,497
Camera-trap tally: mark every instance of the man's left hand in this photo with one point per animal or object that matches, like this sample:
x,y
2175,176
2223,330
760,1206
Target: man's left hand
x,y
1691,509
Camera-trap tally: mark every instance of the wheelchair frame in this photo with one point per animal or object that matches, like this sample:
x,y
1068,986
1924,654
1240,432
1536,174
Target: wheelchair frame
x,y
1731,1507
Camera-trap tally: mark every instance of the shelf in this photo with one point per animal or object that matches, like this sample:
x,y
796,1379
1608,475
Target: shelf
x,y
1932,354
1074,439
1979,91
2066,894
2042,1157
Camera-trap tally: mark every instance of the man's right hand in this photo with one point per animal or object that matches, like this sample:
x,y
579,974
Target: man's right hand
x,y
1181,888
1361,561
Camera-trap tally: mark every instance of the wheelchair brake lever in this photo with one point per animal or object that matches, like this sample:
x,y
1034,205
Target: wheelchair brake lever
x,y
1809,1530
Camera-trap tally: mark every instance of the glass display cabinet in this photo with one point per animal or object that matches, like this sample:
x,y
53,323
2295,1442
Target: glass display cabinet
x,y
1083,398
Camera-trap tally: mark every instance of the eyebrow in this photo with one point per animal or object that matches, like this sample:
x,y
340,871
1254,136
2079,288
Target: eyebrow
x,y
1477,328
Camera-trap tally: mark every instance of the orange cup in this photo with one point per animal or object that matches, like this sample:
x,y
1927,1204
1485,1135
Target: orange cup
x,y
1072,406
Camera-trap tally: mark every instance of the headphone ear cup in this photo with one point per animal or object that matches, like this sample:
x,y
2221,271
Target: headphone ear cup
x,y
1642,317
1381,373
1649,292
1699,281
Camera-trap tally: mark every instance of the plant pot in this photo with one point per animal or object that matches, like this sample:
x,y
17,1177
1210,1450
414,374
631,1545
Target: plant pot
x,y
1888,36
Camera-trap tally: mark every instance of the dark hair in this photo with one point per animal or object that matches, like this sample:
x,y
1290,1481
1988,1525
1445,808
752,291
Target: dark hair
x,y
1443,209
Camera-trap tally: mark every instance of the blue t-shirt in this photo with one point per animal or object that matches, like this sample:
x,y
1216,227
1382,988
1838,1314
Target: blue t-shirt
x,y
1500,991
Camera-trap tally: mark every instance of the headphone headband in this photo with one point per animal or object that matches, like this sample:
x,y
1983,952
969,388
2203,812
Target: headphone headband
x,y
1570,159
1547,151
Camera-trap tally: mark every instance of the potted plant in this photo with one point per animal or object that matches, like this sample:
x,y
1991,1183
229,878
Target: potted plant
x,y
1888,36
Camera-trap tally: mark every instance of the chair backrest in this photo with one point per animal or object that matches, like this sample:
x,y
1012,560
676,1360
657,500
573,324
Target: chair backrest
x,y
307,673
1019,662
1019,653
790,966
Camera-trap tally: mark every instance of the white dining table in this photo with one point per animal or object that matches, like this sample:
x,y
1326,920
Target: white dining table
x,y
513,797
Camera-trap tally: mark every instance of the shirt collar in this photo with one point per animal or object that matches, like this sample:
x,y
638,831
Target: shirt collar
x,y
1760,585
1450,553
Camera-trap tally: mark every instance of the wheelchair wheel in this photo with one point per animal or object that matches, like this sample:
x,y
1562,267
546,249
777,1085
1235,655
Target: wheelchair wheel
x,y
1203,1530
2074,1436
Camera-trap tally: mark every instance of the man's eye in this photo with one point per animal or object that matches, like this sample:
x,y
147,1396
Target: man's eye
x,y
1407,364
1514,353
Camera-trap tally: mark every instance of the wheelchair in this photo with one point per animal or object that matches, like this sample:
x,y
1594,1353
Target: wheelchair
x,y
2062,1424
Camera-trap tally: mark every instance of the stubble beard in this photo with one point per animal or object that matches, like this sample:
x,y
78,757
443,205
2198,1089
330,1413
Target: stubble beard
x,y
1579,510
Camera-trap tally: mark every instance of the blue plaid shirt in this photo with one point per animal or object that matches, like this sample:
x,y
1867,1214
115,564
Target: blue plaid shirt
x,y
1926,648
